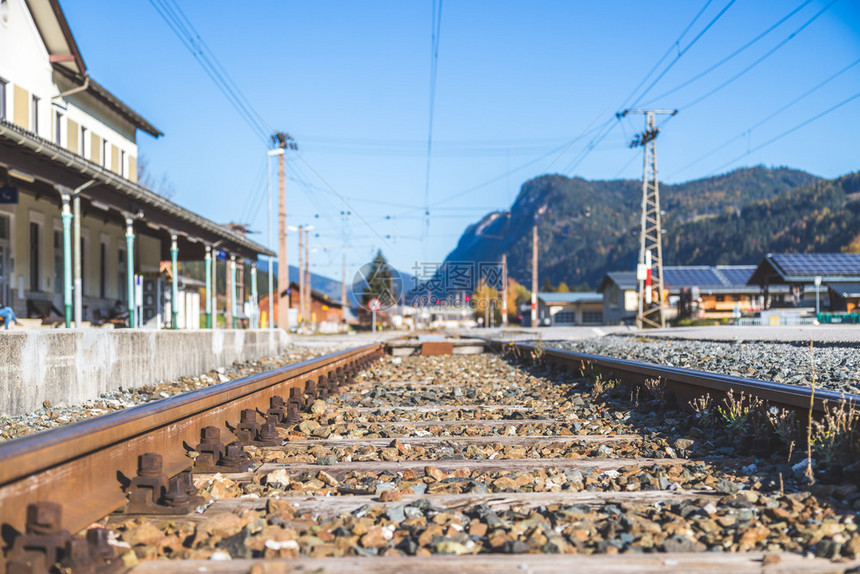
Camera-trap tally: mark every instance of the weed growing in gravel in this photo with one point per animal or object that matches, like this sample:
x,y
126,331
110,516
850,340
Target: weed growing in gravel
x,y
738,412
704,409
538,351
835,437
656,389
784,425
600,386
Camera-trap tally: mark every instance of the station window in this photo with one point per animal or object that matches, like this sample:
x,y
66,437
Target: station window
x,y
34,119
592,316
58,128
103,270
35,255
3,99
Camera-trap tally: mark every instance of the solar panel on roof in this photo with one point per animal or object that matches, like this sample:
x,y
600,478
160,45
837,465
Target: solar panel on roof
x,y
738,275
812,264
691,276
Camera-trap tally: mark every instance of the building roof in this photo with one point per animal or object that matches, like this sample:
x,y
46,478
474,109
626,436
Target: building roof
x,y
805,267
66,59
707,277
846,289
318,295
624,280
572,297
55,165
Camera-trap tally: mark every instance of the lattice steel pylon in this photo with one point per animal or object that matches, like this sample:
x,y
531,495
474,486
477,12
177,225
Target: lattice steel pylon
x,y
649,269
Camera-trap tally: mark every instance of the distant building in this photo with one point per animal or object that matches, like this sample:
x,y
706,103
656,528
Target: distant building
x,y
711,291
716,291
62,131
620,300
558,309
323,308
844,296
789,279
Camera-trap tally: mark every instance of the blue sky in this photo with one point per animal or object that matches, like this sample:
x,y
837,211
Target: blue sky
x,y
522,89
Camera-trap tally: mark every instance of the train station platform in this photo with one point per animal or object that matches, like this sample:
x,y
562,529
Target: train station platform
x,y
69,366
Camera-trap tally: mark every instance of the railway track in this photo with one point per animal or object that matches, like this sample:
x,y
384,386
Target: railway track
x,y
527,459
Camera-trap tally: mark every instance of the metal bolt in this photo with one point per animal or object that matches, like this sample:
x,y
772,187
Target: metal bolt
x,y
149,464
248,416
176,494
43,517
268,433
210,435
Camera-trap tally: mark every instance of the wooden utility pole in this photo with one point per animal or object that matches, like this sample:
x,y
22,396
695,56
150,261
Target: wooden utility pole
x,y
284,141
308,300
301,301
343,285
283,264
534,275
504,290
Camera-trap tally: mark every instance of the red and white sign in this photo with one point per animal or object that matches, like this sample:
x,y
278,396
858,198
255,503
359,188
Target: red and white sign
x,y
374,305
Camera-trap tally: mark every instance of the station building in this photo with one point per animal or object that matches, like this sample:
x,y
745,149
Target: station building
x,y
715,292
565,309
69,197
798,279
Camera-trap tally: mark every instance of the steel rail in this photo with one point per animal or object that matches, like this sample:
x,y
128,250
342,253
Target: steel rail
x,y
85,465
687,383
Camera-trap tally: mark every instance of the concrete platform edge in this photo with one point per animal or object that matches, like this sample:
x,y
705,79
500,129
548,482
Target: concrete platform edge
x,y
69,367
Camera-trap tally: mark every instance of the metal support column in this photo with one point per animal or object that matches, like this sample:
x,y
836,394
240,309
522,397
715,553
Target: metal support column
x,y
233,282
208,259
174,284
76,254
67,258
649,270
254,322
129,246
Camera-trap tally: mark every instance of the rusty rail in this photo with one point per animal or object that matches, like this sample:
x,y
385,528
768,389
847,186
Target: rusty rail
x,y
86,465
687,384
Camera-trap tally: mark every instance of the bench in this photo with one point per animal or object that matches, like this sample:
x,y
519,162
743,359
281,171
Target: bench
x,y
44,310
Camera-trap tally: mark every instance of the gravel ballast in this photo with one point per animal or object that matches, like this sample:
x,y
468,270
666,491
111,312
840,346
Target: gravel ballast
x,y
836,368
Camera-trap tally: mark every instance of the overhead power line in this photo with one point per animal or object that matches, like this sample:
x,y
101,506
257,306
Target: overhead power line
x,y
760,123
435,29
626,103
607,127
684,50
181,26
731,56
759,60
790,131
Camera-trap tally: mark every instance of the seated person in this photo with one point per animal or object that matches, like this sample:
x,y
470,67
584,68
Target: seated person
x,y
8,316
118,313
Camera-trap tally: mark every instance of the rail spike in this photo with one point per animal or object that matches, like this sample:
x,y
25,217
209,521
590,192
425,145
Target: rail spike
x,y
153,492
214,456
45,546
252,433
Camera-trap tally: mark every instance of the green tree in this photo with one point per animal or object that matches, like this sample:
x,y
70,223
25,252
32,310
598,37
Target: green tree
x,y
378,282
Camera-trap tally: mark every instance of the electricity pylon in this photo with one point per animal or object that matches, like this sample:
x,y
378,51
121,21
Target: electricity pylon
x,y
649,270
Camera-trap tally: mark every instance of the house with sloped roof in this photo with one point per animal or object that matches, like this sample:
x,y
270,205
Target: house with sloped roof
x,y
77,231
711,291
566,309
794,279
620,297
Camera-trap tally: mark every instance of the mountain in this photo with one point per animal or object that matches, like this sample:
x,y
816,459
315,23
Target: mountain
x,y
586,228
823,217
